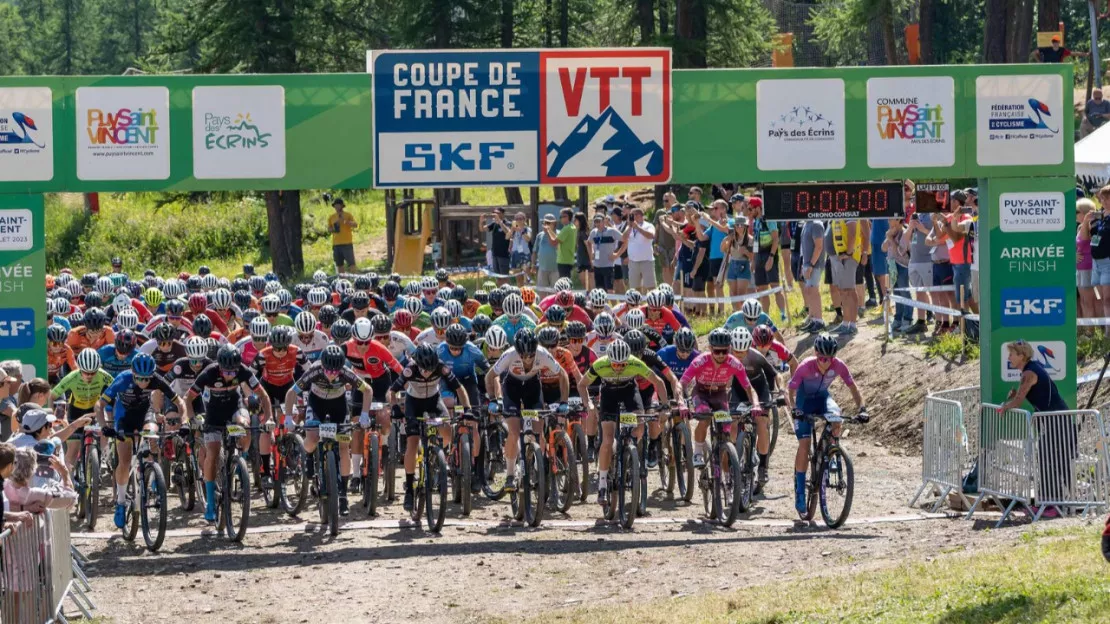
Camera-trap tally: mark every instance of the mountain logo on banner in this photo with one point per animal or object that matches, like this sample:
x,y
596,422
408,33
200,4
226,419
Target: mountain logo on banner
x,y
607,140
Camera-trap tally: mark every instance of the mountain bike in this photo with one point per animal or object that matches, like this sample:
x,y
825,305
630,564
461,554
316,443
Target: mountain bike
x,y
86,477
624,474
430,485
494,434
380,463
183,467
561,464
289,467
581,445
642,450
233,485
778,402
719,479
326,458
831,478
145,503
746,454
676,466
461,458
530,496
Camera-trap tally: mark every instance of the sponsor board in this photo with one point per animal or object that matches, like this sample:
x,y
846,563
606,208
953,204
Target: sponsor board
x,y
16,226
911,122
123,133
1019,120
26,134
239,132
800,124
1051,354
1031,212
1033,306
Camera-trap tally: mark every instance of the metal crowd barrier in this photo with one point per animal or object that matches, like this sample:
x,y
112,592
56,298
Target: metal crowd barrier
x,y
1005,459
1069,461
946,446
37,567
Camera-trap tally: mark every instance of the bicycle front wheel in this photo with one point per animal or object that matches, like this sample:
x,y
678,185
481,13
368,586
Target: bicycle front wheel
x,y
237,500
563,471
131,520
494,458
582,471
774,425
747,476
92,487
727,493
628,480
533,486
329,504
153,507
836,487
370,476
435,489
462,482
683,449
292,477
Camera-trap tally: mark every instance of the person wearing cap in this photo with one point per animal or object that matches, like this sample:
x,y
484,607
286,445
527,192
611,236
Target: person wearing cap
x,y
341,225
38,424
765,246
500,234
545,252
1056,52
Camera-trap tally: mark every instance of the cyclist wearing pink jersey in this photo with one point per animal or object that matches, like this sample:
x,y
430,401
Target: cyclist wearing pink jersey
x,y
712,374
811,383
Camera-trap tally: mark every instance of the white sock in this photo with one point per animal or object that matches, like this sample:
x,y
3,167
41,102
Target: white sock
x,y
121,494
356,465
701,448
510,469
603,478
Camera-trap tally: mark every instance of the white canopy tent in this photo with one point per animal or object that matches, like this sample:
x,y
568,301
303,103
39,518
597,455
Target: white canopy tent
x,y
1092,157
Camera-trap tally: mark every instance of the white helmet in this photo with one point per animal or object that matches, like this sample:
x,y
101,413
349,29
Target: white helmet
x,y
363,329
496,338
127,318
260,328
429,283
412,289
319,277
105,285
88,360
221,299
59,306
618,352
317,296
666,288
210,282
444,293
598,298
272,288
270,304
655,299
751,309
74,288
741,339
285,298
441,318
305,323
562,284
633,297
454,308
121,302
343,286
513,306
196,348
413,305
604,325
634,319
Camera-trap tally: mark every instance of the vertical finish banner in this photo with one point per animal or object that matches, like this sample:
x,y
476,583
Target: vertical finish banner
x,y
1027,280
23,282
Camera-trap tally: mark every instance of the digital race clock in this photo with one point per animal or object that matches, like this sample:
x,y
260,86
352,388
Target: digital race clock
x,y
842,200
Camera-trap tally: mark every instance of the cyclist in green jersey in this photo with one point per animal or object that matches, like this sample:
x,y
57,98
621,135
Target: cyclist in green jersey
x,y
84,387
618,372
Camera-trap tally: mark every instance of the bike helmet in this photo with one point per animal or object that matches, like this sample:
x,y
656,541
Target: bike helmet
x,y
135,289
198,303
481,296
93,299
741,339
285,298
242,298
56,333
105,285
636,341
210,282
457,335
204,270
412,289
685,340
443,293
60,306
441,318
259,328
665,288
496,338
426,357
414,307
565,298
363,330
720,338
175,308
510,290
77,319
143,365
528,295
127,318
668,298
562,284
548,337
597,298
441,275
525,342
164,333
229,358
319,276
751,309
196,348
305,323
634,319
270,304
618,352
362,282
341,331
374,278
381,324
513,306
604,325
633,297
332,358
497,299
391,290
342,286
429,283
202,326
257,283
272,288
95,319
654,299
826,345
221,299
556,314
402,319
580,299
576,330
74,289
458,293
480,324
117,261
763,336
327,315
193,283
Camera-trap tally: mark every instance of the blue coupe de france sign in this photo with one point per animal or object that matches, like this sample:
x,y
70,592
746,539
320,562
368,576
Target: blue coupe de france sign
x,y
522,117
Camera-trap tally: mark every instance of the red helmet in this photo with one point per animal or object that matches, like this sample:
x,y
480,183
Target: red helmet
x,y
198,303
763,336
402,319
565,298
184,275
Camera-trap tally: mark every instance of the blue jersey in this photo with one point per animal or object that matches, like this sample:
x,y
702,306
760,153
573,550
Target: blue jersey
x,y
436,303
61,320
736,319
680,317
293,310
465,322
466,363
511,327
128,398
669,355
111,362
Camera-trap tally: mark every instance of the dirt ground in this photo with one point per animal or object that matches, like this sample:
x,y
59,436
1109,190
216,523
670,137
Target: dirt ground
x,y
482,568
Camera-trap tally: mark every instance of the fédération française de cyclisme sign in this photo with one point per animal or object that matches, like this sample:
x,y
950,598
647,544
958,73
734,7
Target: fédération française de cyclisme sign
x,y
522,117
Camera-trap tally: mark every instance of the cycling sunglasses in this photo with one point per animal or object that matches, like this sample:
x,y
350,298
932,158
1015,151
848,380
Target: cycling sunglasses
x,y
228,373
576,340
162,343
170,317
720,351
139,379
331,372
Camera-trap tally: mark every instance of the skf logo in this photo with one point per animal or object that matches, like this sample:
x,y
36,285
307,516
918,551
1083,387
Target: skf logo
x,y
605,116
17,328
1032,307
464,156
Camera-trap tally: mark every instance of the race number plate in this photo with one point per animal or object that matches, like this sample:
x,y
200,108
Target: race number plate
x,y
235,431
328,430
629,419
528,417
342,437
377,407
722,417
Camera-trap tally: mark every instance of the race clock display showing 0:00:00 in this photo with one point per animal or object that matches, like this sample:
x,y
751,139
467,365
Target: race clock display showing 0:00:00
x,y
848,200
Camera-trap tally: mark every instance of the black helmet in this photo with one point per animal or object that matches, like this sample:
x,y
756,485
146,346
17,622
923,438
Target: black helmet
x,y
327,315
248,269
193,284
548,337
56,333
242,298
391,290
636,341
238,284
457,335
481,296
249,315
362,283
374,278
825,345
95,319
202,326
333,358
125,341
685,340
93,299
458,293
525,342
229,358
360,300
395,277
556,314
576,330
280,337
341,331
175,307
426,357
164,333
480,324
720,338
88,280
382,324
580,299
441,275
204,270
496,298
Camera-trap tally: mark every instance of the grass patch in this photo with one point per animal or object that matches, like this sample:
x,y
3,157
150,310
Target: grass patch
x,y
951,347
1091,344
1047,578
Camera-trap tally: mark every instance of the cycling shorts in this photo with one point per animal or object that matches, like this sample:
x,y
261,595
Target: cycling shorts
x,y
276,392
327,410
617,399
221,416
470,384
521,394
73,413
803,428
379,386
416,408
706,402
128,422
551,394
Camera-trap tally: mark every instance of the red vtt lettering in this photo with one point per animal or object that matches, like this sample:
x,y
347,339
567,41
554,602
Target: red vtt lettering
x,y
573,89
